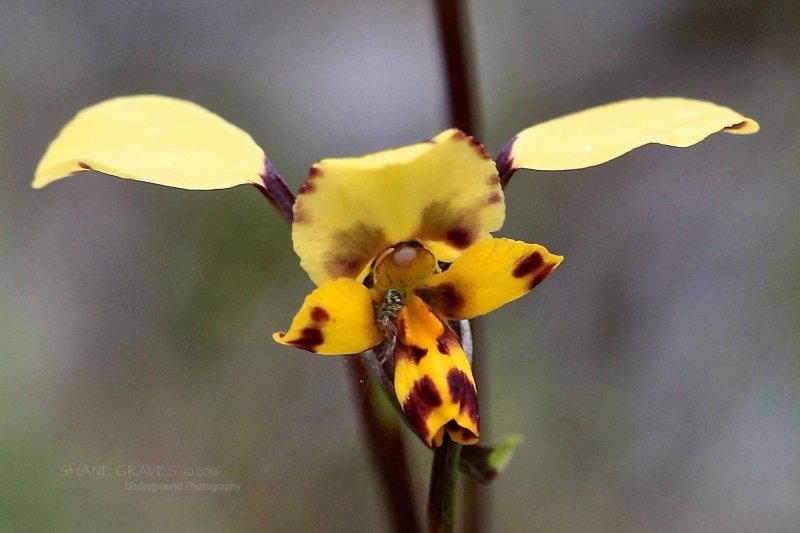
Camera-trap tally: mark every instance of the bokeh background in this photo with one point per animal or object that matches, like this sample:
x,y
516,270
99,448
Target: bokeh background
x,y
655,376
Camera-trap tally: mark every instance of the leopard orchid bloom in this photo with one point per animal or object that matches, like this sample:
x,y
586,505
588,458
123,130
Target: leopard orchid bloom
x,y
412,224
398,242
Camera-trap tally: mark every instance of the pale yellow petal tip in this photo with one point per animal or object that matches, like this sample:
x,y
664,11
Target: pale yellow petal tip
x,y
745,127
49,171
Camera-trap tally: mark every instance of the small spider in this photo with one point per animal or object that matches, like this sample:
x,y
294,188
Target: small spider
x,y
388,311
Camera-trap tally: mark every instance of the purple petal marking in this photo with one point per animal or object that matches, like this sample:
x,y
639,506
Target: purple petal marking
x,y
276,191
505,163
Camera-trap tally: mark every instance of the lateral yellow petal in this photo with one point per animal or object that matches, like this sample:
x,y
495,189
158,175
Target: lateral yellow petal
x,y
600,134
445,190
336,319
432,377
156,139
487,276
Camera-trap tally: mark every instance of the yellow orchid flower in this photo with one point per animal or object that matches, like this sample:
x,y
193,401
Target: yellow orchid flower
x,y
398,242
374,232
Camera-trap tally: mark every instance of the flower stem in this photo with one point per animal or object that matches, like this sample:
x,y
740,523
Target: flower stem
x,y
443,487
450,16
476,503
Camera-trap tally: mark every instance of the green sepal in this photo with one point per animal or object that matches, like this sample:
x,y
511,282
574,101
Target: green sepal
x,y
484,463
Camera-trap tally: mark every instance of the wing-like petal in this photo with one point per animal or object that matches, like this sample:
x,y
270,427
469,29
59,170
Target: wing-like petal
x,y
336,319
432,377
600,134
487,276
156,139
445,192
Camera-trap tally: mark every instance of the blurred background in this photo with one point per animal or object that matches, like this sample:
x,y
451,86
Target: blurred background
x,y
655,377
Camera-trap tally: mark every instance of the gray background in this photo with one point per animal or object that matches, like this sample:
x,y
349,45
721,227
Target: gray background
x,y
654,376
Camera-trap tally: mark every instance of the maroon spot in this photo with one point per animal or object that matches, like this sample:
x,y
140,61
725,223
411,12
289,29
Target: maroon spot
x,y
346,266
416,417
494,198
417,352
494,179
463,393
459,226
459,237
479,148
528,265
474,143
463,433
402,329
443,343
318,314
409,351
84,166
444,298
355,247
540,277
308,186
419,403
300,216
309,339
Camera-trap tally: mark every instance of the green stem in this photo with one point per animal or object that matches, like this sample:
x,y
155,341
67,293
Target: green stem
x,y
443,488
476,497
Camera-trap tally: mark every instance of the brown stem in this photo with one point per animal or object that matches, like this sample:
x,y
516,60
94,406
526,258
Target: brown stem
x,y
450,15
387,451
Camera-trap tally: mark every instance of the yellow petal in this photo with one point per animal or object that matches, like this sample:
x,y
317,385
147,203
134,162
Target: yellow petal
x,y
336,319
487,276
445,190
600,134
156,139
432,377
